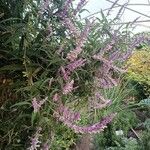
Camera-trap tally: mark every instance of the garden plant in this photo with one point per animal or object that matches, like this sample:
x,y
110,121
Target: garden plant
x,y
66,80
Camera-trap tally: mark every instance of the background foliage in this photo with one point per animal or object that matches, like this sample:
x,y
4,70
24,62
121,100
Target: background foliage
x,y
139,67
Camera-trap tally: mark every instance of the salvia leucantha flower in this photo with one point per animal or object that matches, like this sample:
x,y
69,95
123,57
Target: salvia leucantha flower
x,y
98,102
80,42
65,115
95,128
36,104
69,24
35,142
68,87
69,118
44,6
65,73
68,69
75,64
79,6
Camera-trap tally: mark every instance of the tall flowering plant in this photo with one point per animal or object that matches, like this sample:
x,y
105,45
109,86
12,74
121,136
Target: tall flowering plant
x,y
62,64
82,64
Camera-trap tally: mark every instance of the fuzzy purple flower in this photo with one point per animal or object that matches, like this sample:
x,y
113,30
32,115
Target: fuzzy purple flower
x,y
67,4
68,87
46,146
107,81
95,128
44,6
37,104
68,69
107,48
102,105
99,96
76,64
115,55
35,142
67,22
85,32
106,84
79,6
80,42
67,116
56,97
65,74
98,102
65,9
72,55
109,63
124,56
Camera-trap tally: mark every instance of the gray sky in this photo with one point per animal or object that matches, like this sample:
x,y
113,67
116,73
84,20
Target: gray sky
x,y
96,5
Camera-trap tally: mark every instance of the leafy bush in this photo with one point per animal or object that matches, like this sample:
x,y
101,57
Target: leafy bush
x,y
127,144
125,120
58,66
139,67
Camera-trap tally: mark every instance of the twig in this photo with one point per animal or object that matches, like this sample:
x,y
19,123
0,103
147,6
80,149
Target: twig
x,y
107,9
113,5
143,25
135,133
140,21
128,5
130,9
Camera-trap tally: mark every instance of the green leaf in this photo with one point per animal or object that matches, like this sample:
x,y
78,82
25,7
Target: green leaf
x,y
20,104
10,19
13,67
84,10
147,123
145,102
33,118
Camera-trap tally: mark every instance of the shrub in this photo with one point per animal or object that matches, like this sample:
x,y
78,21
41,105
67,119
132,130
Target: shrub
x,y
60,63
139,67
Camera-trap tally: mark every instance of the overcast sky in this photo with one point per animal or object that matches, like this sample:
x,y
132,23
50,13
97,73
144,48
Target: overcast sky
x,y
96,5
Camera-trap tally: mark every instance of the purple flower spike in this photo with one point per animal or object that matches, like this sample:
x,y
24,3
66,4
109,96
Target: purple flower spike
x,y
35,142
108,63
99,96
56,97
79,6
95,128
67,22
72,55
65,74
69,117
66,115
46,146
68,87
80,43
37,104
76,64
44,6
65,9
99,102
102,105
